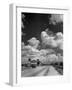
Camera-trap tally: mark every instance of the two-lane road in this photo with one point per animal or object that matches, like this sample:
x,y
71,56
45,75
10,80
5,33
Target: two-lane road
x,y
39,71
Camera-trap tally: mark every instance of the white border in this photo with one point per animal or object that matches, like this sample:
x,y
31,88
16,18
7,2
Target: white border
x,y
17,80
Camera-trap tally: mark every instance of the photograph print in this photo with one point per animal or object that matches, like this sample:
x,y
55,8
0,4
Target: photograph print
x,y
41,44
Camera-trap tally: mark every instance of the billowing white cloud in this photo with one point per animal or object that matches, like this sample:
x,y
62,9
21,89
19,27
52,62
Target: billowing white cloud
x,y
47,40
60,43
45,52
29,52
56,18
59,40
33,42
51,41
52,57
59,35
28,47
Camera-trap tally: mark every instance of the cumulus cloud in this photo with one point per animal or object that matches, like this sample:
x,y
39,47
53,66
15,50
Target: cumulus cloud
x,y
59,40
30,52
51,41
59,35
52,57
56,18
43,52
33,42
47,40
28,47
60,43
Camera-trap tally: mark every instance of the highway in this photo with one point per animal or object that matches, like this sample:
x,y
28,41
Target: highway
x,y
39,71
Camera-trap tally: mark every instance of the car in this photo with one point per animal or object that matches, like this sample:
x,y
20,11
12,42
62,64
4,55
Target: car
x,y
33,63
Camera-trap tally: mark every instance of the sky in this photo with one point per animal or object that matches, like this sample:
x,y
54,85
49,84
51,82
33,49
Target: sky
x,y
34,23
42,34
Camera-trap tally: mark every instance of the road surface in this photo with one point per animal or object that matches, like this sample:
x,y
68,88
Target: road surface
x,y
39,71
